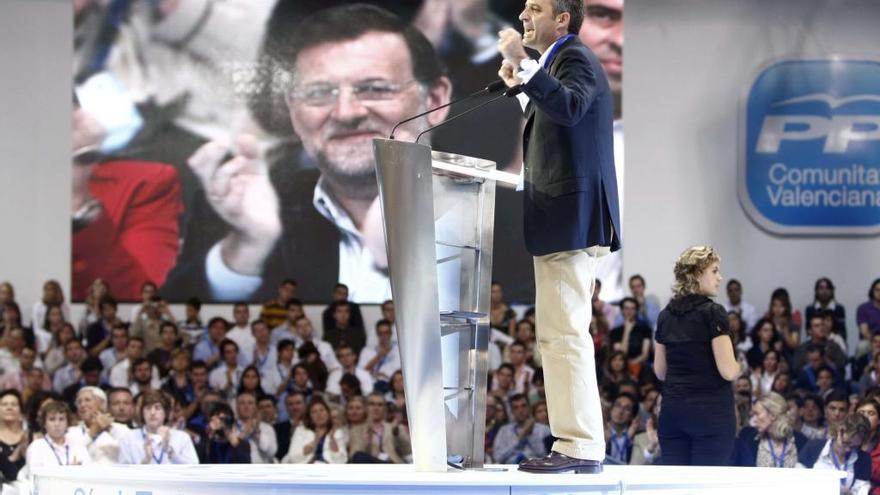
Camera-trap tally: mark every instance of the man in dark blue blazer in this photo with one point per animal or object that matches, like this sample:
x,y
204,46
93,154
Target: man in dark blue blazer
x,y
571,214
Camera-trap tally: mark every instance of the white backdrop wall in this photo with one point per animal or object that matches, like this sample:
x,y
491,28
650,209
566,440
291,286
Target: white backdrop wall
x,y
35,105
688,64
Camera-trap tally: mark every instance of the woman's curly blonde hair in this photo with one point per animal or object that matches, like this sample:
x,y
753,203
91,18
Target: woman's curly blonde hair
x,y
781,427
689,266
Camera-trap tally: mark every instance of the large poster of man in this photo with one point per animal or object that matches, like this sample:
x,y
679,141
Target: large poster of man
x,y
224,146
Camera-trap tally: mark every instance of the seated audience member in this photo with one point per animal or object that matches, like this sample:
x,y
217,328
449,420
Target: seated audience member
x,y
843,452
502,385
122,406
306,334
496,418
340,295
836,407
122,371
739,333
772,441
155,442
782,383
868,313
142,376
646,445
631,336
13,437
396,395
267,409
809,372
55,357
227,375
98,333
522,372
54,449
240,329
786,322
198,422
43,331
818,334
274,310
149,327
355,417
90,371
343,331
207,349
299,381
649,307
865,364
763,377
764,337
812,418
53,295
870,409
522,438
295,407
160,357
19,378
96,430
192,325
615,371
276,376
373,441
220,441
263,355
96,291
348,361
287,330
871,375
250,382
317,440
69,374
259,435
314,363
382,360
115,352
525,333
178,384
621,428
735,303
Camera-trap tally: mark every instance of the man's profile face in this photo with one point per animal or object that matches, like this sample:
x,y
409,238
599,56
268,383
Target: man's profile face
x,y
339,132
602,31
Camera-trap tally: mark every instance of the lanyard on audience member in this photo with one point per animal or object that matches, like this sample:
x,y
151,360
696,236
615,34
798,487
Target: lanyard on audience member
x,y
845,468
152,454
777,461
555,48
58,457
620,447
261,362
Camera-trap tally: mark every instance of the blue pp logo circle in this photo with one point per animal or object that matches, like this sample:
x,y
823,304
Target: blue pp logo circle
x,y
810,162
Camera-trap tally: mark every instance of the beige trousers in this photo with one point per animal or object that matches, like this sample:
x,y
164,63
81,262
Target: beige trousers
x,y
563,289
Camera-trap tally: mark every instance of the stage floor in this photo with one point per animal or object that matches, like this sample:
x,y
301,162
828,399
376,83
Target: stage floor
x,y
399,480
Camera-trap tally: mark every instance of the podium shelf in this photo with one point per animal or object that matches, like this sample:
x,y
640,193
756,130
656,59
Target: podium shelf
x,y
458,246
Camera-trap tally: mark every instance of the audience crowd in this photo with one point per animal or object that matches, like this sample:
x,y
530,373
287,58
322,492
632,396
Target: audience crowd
x,y
270,388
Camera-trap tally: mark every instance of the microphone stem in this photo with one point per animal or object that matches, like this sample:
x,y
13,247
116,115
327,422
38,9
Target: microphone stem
x,y
469,110
453,102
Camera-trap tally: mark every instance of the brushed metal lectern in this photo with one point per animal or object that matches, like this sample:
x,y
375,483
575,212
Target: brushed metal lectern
x,y
438,210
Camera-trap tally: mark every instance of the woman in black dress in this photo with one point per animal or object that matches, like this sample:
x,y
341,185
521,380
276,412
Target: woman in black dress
x,y
695,359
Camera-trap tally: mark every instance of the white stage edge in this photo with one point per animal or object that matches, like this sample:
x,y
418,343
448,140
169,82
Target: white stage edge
x,y
279,479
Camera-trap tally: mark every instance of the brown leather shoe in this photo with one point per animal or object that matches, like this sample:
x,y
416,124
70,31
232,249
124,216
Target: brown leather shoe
x,y
556,463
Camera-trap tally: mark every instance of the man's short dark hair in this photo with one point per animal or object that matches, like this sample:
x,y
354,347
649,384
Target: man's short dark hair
x,y
837,396
383,322
294,302
91,363
284,344
629,300
216,319
631,397
733,281
195,302
288,281
575,9
637,277
226,342
198,363
518,397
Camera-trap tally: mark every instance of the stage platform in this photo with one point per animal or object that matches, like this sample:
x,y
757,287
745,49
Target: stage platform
x,y
279,479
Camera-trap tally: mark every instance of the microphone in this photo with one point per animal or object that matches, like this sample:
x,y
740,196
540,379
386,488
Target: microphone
x,y
511,92
490,88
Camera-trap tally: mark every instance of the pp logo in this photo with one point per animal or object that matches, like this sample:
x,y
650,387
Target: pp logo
x,y
811,157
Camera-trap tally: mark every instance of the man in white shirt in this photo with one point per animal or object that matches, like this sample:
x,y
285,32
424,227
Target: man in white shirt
x,y
225,377
119,374
382,360
259,434
263,354
735,303
306,333
97,430
842,452
348,362
277,374
241,333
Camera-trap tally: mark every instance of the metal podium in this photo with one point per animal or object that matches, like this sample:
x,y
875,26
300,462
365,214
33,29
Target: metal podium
x,y
438,210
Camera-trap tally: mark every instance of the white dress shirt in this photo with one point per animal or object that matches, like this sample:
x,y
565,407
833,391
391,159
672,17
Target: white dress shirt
x,y
386,366
104,449
180,448
44,452
302,436
263,443
361,374
218,381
